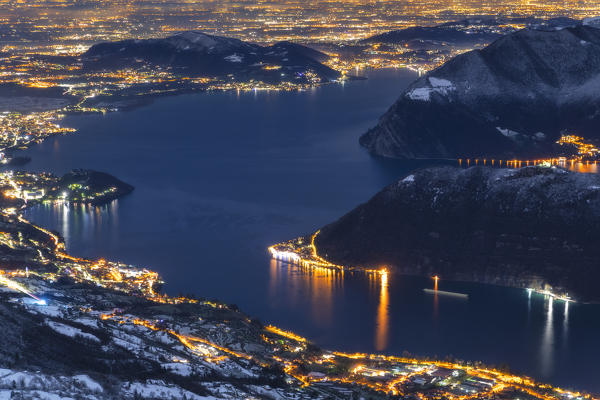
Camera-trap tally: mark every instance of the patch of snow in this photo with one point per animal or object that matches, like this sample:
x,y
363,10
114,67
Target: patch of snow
x,y
125,344
540,136
178,368
234,58
22,379
438,85
70,331
88,383
38,394
420,94
164,337
268,392
92,323
127,337
155,389
507,132
36,385
34,306
198,38
410,178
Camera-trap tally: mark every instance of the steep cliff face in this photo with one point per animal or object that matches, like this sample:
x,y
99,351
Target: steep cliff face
x,y
512,227
512,98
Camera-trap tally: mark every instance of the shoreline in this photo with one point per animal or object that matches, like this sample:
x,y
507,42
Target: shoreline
x,y
341,353
306,255
517,382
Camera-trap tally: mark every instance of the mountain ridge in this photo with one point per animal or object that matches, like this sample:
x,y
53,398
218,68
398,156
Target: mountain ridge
x,y
534,83
199,54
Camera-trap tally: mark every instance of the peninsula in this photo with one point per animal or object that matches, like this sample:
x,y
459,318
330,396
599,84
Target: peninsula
x,y
533,227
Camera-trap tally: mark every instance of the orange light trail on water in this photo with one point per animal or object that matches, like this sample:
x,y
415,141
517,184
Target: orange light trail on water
x,y
382,330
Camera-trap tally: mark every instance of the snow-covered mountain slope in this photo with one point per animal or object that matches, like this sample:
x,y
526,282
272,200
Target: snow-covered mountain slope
x,y
199,54
535,83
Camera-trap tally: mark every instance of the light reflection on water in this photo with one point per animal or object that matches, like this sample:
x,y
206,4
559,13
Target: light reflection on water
x,y
547,348
383,313
315,286
81,222
566,324
591,168
321,287
320,290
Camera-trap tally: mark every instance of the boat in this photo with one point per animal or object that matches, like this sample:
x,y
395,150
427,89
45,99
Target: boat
x,y
445,293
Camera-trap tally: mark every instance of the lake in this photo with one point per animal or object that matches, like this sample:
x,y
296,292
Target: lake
x,y
221,176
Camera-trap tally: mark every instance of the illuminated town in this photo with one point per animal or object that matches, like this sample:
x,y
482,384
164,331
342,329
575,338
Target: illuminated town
x,y
80,186
42,74
265,21
186,346
19,130
39,266
584,151
77,326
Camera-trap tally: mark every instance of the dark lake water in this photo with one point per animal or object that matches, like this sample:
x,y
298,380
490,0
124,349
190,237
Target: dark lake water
x,y
221,176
